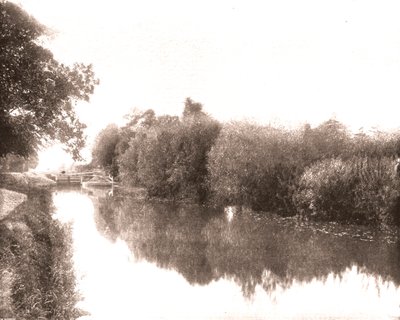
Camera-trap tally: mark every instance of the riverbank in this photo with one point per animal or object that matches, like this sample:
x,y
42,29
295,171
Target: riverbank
x,y
25,182
15,188
9,200
36,274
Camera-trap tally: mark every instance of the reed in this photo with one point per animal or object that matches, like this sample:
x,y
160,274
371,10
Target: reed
x,y
35,250
360,190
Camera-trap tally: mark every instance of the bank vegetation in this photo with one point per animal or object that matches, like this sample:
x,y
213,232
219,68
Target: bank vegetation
x,y
37,279
324,173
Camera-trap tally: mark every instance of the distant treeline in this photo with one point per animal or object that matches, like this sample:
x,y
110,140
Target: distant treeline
x,y
323,173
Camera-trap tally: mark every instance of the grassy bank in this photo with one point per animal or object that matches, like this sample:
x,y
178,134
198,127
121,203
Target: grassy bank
x,y
25,182
35,263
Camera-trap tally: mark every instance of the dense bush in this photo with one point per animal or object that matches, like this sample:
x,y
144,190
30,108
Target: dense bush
x,y
324,173
359,190
331,139
128,164
377,144
14,163
254,166
169,157
328,140
172,159
132,137
156,155
104,151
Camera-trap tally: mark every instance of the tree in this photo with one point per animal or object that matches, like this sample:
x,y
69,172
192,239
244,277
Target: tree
x,y
135,142
138,122
104,151
17,163
192,110
168,155
37,93
331,139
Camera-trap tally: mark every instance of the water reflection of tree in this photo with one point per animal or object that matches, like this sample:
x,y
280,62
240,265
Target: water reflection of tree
x,y
205,247
107,211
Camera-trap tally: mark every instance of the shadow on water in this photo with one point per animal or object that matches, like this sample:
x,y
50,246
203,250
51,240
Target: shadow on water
x,y
203,245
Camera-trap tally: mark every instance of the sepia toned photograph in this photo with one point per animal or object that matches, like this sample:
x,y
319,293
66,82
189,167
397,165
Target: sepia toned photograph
x,y
199,160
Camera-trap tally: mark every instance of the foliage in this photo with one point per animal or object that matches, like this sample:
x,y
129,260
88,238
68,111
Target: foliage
x,y
128,164
104,151
38,251
131,137
17,163
359,190
37,93
377,144
192,110
172,160
168,156
83,167
323,173
331,139
254,166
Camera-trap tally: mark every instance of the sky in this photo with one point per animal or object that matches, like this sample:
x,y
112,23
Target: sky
x,y
285,61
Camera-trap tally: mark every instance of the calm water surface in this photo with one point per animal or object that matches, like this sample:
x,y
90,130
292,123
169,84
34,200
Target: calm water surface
x,y
143,260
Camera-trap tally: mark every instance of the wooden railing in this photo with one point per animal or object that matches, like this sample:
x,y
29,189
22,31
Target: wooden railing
x,y
80,177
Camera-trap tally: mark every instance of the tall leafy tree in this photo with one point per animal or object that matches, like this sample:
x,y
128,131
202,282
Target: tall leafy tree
x,y
37,93
331,139
193,111
104,151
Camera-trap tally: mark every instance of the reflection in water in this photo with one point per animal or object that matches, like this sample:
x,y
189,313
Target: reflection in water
x,y
154,260
229,212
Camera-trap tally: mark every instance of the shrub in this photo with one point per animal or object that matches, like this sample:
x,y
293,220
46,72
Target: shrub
x,y
128,163
104,151
375,145
172,160
155,158
254,166
360,190
169,158
348,177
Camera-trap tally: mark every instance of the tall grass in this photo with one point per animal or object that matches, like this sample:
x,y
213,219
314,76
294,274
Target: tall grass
x,y
359,190
36,250
254,166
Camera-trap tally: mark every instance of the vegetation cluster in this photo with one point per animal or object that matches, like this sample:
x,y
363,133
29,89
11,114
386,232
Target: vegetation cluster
x,y
324,173
37,93
167,155
35,252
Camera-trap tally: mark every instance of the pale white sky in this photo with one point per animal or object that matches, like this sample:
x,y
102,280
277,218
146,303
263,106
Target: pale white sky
x,y
288,61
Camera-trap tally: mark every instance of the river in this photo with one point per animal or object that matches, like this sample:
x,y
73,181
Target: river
x,y
137,259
